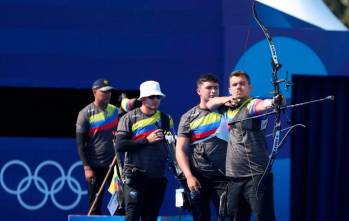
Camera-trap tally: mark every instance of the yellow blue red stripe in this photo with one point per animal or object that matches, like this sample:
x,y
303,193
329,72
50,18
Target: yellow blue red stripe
x,y
99,122
205,127
126,104
143,128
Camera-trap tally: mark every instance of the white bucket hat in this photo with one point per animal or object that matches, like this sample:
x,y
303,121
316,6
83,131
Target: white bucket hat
x,y
149,88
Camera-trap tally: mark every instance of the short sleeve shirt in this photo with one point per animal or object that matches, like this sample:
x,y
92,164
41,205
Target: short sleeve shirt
x,y
99,124
207,150
247,148
152,157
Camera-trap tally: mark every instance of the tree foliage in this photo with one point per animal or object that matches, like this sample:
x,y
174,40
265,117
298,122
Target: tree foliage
x,y
340,8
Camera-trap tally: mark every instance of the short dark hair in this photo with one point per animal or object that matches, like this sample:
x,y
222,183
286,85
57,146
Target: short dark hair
x,y
240,73
207,77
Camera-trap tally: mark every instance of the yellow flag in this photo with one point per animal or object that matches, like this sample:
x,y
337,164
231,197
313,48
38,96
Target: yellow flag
x,y
114,184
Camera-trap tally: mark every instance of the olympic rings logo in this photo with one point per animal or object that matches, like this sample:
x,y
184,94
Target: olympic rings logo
x,y
41,184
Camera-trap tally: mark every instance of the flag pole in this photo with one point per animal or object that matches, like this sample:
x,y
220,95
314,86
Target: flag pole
x,y
102,186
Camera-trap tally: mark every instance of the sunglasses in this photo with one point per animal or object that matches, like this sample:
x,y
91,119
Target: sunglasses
x,y
152,97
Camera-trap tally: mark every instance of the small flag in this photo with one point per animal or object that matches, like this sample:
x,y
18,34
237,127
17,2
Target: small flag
x,y
114,184
113,204
127,104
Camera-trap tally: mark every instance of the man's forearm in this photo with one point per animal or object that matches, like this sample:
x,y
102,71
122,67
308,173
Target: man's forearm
x,y
123,143
81,140
181,156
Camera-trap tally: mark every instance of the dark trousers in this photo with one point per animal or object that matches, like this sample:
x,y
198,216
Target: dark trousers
x,y
244,189
93,188
211,189
143,198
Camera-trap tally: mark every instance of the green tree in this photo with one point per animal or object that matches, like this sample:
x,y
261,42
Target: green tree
x,y
340,8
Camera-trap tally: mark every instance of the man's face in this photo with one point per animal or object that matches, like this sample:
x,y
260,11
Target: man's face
x,y
152,102
208,90
102,97
239,87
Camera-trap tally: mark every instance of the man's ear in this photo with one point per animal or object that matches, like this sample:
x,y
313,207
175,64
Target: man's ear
x,y
198,91
250,87
229,89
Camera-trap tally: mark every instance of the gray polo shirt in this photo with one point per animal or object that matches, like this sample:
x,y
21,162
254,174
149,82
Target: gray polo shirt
x,y
208,152
99,124
247,148
150,157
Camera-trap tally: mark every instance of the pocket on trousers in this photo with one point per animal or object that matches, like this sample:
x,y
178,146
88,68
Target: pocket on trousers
x,y
223,204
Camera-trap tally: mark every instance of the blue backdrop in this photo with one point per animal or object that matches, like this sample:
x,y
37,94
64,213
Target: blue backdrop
x,y
68,44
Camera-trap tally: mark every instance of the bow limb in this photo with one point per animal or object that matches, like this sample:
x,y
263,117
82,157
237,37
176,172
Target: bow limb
x,y
277,92
275,80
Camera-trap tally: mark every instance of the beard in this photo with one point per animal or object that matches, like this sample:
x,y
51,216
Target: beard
x,y
104,103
